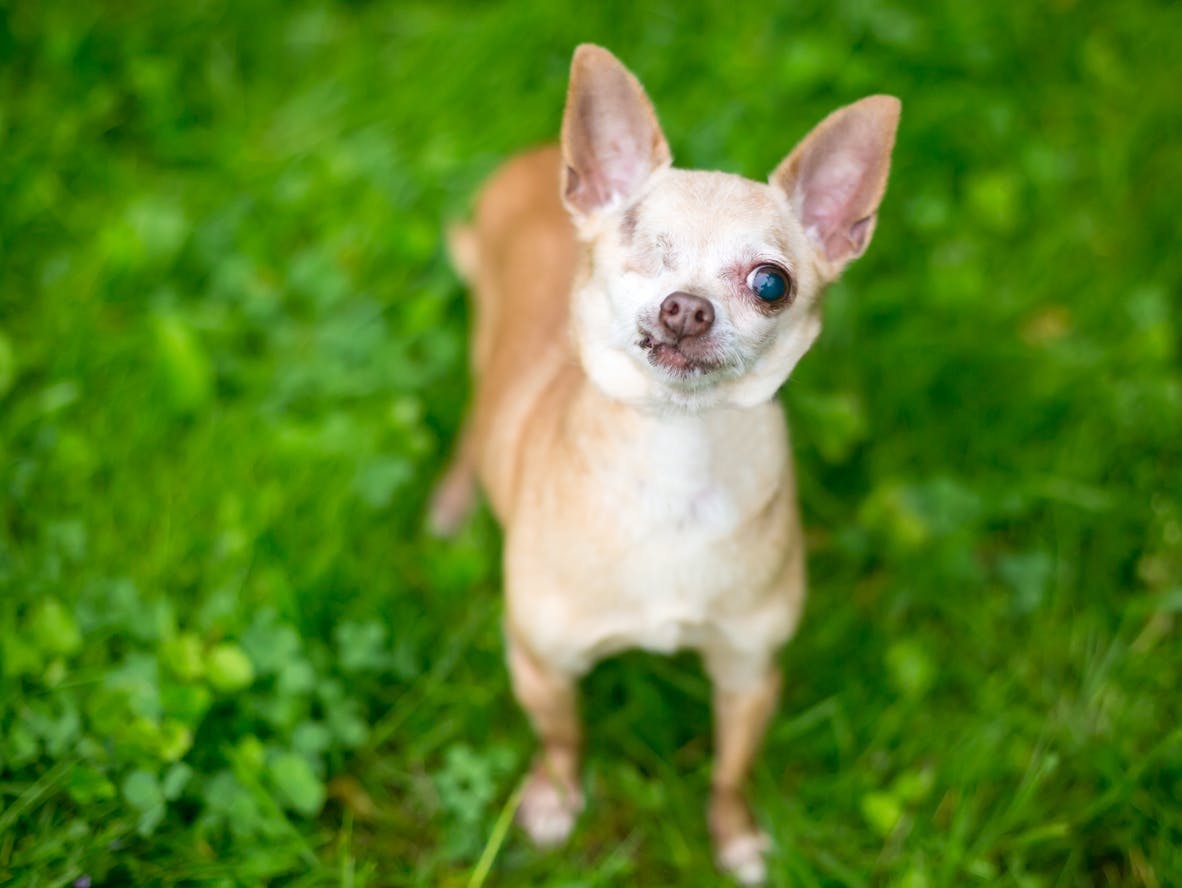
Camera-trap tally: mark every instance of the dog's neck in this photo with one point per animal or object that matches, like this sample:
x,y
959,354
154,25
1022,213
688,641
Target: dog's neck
x,y
677,450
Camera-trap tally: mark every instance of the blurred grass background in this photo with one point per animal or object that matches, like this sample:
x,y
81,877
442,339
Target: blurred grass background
x,y
232,362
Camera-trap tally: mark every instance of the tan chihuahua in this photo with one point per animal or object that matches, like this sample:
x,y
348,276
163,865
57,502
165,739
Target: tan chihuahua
x,y
633,323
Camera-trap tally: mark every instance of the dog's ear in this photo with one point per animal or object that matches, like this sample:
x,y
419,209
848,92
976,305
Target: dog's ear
x,y
836,177
611,140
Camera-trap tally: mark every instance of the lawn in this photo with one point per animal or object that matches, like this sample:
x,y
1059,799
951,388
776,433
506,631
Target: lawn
x,y
232,361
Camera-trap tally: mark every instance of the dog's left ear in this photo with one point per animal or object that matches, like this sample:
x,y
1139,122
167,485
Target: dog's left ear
x,y
611,140
836,177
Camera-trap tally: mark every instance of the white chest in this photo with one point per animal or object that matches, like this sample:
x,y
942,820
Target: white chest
x,y
663,544
677,488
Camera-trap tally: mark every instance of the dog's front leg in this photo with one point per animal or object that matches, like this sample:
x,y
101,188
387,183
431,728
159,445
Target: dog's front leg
x,y
552,798
740,718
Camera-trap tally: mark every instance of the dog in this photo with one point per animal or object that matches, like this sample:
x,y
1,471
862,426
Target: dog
x,y
633,323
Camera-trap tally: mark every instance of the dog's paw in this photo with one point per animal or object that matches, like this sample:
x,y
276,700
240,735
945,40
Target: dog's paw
x,y
548,810
742,858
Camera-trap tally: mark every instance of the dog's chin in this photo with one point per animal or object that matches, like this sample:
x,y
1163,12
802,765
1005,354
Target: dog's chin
x,y
684,381
659,378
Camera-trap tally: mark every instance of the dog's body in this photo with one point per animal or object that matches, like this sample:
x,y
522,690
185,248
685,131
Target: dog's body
x,y
642,470
590,490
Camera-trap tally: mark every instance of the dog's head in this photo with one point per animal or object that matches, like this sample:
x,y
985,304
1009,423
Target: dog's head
x,y
701,288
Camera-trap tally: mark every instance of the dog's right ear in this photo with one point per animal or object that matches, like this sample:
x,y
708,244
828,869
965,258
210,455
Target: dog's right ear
x,y
611,140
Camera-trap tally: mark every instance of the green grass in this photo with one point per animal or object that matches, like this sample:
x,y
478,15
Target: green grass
x,y
232,361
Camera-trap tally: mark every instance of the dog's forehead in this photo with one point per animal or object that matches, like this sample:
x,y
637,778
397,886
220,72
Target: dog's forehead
x,y
686,205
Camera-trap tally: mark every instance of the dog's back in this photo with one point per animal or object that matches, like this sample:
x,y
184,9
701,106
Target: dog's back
x,y
517,255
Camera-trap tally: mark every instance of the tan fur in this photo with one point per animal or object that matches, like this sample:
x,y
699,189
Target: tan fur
x,y
518,256
643,508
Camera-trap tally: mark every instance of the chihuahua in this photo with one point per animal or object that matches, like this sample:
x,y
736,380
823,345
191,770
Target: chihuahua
x,y
632,325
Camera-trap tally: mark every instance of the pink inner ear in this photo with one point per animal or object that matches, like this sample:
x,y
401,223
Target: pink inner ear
x,y
836,177
610,158
611,139
832,193
626,163
584,192
859,235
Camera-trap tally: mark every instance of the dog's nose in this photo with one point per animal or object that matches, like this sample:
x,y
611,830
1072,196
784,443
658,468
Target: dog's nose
x,y
684,314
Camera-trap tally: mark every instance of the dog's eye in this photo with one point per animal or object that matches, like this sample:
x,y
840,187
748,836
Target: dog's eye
x,y
768,283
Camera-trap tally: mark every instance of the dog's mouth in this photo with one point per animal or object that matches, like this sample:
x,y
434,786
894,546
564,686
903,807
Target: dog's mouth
x,y
684,359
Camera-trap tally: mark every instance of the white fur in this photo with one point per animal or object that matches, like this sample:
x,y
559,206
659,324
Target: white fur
x,y
651,503
713,222
743,858
675,568
546,812
677,560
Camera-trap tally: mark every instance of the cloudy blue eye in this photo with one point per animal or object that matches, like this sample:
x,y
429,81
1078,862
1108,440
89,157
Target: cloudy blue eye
x,y
768,283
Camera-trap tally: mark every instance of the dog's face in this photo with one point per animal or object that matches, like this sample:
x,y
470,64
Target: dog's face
x,y
701,289
701,292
